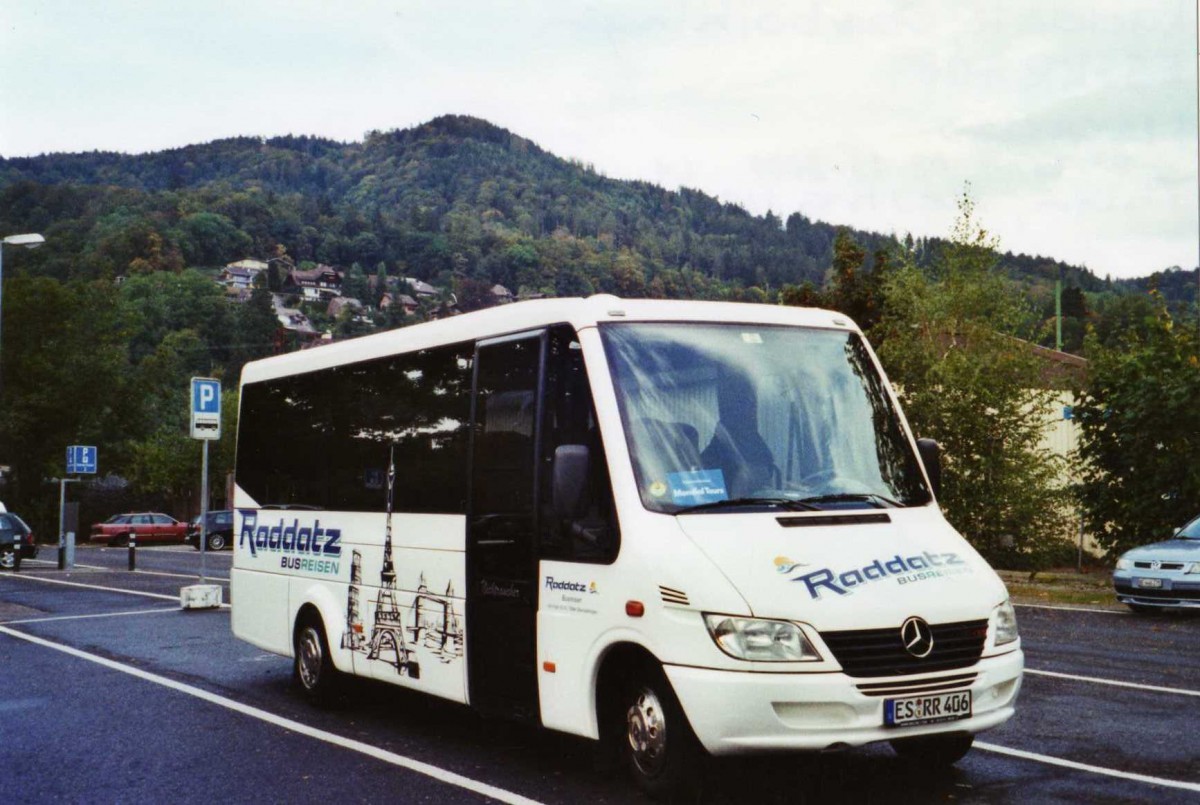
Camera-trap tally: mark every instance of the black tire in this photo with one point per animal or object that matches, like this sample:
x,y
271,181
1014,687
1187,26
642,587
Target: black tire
x,y
119,541
9,559
312,667
216,542
934,751
656,741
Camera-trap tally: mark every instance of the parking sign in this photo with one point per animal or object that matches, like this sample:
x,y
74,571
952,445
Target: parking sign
x,y
206,408
81,458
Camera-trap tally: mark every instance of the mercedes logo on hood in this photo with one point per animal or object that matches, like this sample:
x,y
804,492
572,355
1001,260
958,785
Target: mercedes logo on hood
x,y
917,637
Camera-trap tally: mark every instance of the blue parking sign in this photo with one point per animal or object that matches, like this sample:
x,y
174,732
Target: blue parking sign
x,y
206,408
81,458
206,396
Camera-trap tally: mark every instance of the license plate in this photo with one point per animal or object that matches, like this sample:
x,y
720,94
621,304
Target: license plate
x,y
1154,583
932,709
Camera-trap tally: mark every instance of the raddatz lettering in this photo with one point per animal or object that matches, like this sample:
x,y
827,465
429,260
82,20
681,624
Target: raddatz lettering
x,y
928,565
565,586
293,538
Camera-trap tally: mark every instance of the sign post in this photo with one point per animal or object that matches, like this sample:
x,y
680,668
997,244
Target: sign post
x,y
206,426
82,459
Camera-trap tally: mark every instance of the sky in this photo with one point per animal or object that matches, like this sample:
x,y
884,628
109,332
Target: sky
x,y
1072,122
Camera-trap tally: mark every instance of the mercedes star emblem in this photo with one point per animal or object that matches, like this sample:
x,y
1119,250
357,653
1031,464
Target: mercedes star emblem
x,y
917,637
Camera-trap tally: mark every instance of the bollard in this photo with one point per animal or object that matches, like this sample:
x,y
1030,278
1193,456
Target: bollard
x,y
132,550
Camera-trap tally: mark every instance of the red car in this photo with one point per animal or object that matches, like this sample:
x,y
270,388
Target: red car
x,y
150,527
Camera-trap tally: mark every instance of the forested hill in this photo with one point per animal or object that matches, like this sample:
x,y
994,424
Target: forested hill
x,y
454,197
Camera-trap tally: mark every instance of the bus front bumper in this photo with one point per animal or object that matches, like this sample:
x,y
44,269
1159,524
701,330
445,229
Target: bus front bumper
x,y
740,713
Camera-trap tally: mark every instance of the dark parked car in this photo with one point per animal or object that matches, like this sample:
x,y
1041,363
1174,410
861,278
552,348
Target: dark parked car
x,y
219,528
150,527
14,533
1162,574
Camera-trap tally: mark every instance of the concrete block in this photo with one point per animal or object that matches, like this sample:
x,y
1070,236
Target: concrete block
x,y
200,596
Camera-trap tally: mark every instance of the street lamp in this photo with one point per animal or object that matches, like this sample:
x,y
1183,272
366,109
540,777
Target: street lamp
x,y
29,241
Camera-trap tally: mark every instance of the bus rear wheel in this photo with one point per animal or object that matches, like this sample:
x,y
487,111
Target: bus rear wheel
x,y
312,667
658,746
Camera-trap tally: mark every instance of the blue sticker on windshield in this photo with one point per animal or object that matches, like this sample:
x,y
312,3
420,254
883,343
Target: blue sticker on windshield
x,y
696,487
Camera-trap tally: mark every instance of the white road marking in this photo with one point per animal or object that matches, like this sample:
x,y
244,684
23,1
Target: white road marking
x,y
437,773
207,576
1070,764
96,615
1098,681
54,564
93,587
1120,612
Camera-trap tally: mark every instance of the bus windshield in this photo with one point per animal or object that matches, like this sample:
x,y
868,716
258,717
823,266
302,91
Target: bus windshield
x,y
723,416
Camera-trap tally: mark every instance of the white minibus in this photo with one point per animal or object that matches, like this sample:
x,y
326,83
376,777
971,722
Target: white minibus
x,y
682,527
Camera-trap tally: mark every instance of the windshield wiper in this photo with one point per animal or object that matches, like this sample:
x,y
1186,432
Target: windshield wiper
x,y
786,503
880,501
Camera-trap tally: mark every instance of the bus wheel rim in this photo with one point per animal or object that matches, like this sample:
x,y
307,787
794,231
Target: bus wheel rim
x,y
310,658
647,732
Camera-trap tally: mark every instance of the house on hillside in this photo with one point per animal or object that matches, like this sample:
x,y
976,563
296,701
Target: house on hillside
x,y
501,295
314,283
406,302
242,273
340,304
293,320
420,289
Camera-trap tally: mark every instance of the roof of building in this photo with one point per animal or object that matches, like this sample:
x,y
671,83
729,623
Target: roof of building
x,y
248,265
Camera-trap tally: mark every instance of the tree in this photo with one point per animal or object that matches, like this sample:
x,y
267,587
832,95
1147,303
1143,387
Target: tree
x,y
1139,433
804,295
208,239
950,347
853,290
354,285
63,361
160,303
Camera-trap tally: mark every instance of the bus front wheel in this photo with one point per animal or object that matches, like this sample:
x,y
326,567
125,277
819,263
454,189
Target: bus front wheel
x,y
312,667
659,748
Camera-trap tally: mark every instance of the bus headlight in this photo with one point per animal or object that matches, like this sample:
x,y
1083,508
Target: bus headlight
x,y
760,640
1004,621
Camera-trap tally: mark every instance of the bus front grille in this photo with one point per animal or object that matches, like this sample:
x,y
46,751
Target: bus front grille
x,y
881,652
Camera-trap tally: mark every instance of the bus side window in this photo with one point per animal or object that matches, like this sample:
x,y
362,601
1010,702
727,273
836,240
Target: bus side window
x,y
570,418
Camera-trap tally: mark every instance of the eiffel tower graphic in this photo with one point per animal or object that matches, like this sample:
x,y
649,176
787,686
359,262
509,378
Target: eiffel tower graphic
x,y
387,633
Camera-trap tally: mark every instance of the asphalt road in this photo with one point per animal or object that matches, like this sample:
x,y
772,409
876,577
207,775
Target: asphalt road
x,y
109,692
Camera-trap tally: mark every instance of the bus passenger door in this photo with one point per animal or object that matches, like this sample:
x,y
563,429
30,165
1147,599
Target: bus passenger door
x,y
502,593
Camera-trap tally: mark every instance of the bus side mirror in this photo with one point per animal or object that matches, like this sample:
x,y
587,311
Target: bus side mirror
x,y
931,457
571,481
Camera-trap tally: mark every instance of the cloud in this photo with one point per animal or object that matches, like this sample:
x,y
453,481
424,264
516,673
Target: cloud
x,y
1073,120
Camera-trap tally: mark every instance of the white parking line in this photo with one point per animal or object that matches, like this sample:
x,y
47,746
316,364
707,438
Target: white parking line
x,y
207,576
25,577
1075,609
54,564
440,774
1114,682
1070,764
95,615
